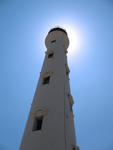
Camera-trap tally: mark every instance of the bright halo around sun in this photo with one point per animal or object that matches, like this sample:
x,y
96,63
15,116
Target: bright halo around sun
x,y
74,39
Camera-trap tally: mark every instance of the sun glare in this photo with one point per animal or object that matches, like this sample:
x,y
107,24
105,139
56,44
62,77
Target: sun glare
x,y
74,39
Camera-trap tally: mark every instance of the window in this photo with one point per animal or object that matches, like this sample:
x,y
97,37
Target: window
x,y
71,101
67,69
74,147
67,73
50,55
70,106
37,123
53,41
46,80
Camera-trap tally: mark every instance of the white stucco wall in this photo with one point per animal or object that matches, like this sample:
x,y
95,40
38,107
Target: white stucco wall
x,y
52,101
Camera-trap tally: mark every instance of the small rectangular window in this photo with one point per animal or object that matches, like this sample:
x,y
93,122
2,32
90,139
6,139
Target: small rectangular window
x,y
50,55
53,41
70,106
67,69
71,102
67,73
74,148
46,80
37,123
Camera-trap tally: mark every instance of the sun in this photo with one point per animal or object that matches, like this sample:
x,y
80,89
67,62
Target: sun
x,y
74,39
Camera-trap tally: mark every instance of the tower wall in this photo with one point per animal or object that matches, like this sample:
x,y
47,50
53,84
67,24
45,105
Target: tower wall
x,y
52,101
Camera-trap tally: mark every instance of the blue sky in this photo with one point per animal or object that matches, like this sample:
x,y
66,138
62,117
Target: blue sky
x,y
23,27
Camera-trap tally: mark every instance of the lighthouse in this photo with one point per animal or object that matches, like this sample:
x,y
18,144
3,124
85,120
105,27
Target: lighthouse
x,y
50,124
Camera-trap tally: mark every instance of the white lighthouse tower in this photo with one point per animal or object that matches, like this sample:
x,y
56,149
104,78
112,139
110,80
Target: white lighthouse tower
x,y
50,124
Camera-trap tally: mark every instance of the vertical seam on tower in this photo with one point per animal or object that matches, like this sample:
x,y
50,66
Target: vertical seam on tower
x,y
64,119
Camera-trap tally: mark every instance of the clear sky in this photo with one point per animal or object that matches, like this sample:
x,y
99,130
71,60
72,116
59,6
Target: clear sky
x,y
23,27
